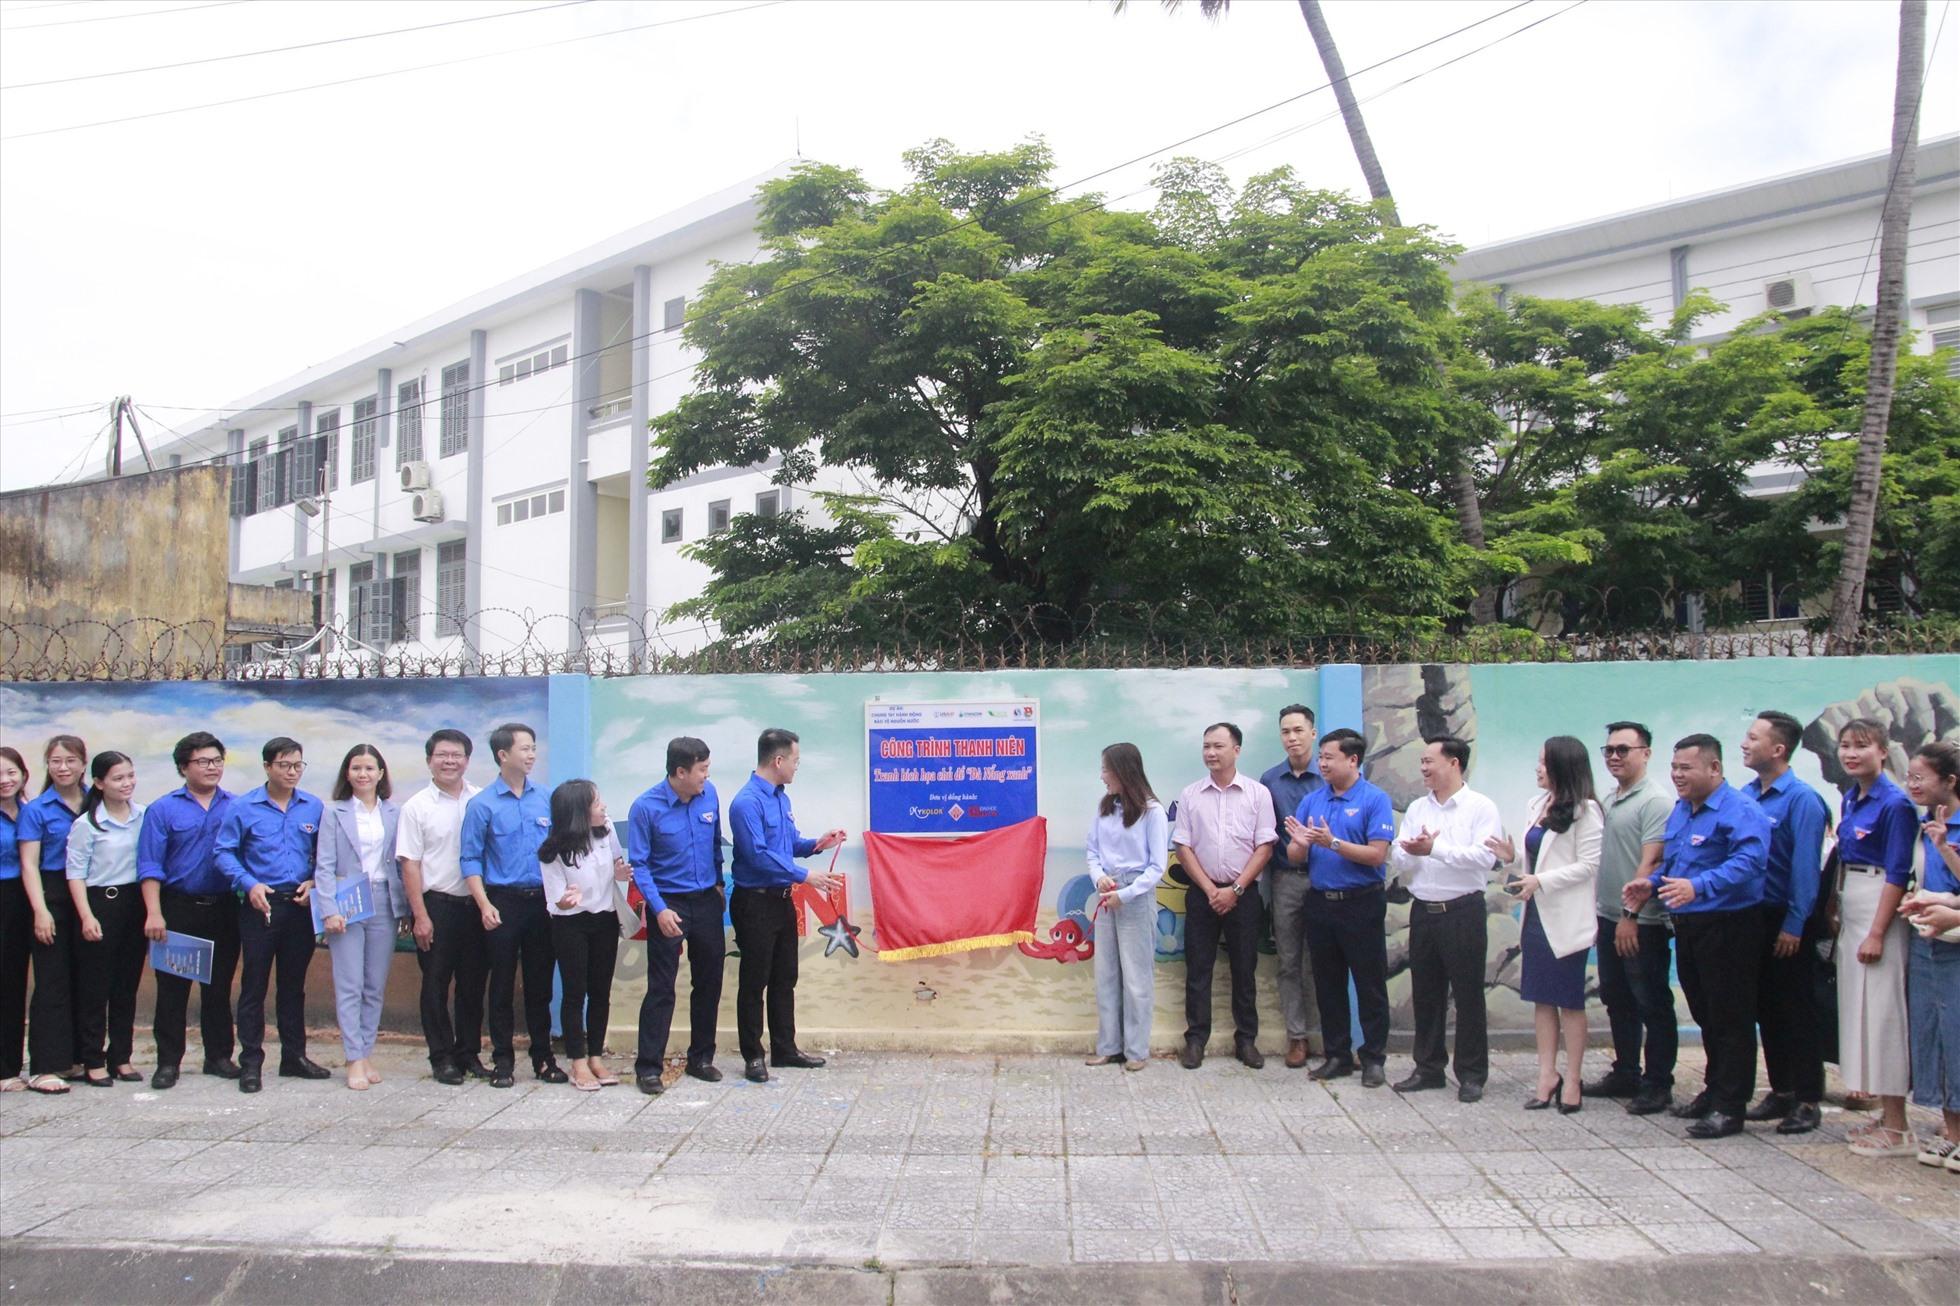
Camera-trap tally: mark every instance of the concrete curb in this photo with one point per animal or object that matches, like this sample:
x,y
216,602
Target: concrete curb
x,y
41,1271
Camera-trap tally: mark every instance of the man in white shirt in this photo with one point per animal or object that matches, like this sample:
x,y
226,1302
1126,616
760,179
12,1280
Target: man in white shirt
x,y
448,928
1446,868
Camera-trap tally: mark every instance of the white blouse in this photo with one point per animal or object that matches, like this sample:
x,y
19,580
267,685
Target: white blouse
x,y
371,833
592,874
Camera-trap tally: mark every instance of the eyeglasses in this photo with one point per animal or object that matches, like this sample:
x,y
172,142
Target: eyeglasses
x,y
207,761
290,768
1620,750
448,757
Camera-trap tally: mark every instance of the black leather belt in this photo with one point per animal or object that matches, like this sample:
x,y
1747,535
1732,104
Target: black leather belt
x,y
199,899
514,891
1340,895
1459,903
109,891
769,890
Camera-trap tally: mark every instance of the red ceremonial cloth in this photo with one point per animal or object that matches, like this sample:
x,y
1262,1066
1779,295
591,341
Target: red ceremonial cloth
x,y
935,896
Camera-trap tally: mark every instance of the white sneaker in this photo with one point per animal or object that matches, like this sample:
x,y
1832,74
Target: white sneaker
x,y
1934,1150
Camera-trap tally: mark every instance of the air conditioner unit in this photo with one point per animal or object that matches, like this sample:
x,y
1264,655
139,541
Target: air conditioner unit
x,y
1789,294
415,475
427,506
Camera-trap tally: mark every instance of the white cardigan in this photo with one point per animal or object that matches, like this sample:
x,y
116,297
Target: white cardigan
x,y
1568,871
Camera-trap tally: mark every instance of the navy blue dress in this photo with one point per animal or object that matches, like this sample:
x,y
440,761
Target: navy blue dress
x,y
1554,981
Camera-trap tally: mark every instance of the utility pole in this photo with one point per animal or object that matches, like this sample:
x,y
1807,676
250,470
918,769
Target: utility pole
x,y
121,408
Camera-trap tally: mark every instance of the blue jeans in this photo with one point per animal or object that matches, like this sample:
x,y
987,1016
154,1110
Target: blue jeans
x,y
1640,1002
1933,1006
1126,976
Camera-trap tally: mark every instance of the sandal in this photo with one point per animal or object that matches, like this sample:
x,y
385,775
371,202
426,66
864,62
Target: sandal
x,y
52,1085
609,1080
586,1085
13,1084
1885,1141
358,1083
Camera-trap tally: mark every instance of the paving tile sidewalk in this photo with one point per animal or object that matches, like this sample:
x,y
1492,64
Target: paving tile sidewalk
x,y
910,1160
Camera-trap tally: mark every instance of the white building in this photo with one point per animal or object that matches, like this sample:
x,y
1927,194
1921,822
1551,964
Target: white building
x,y
486,466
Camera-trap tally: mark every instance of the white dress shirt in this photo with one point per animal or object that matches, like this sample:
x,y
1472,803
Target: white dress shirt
x,y
430,830
592,873
370,833
1457,862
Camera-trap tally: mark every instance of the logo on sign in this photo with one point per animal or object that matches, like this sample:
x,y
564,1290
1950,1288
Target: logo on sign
x,y
956,811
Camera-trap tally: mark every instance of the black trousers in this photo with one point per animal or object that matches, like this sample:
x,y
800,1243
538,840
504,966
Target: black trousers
x,y
111,969
1717,954
587,945
522,941
456,955
1786,1012
16,946
51,1011
1639,995
1239,929
707,951
765,931
1346,940
203,916
1447,951
280,949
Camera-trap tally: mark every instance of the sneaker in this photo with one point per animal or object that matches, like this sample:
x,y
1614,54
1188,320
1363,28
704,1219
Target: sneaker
x,y
1953,1161
1934,1150
1884,1141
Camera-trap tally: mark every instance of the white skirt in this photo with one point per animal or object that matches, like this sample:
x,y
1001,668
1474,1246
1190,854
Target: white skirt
x,y
1874,1051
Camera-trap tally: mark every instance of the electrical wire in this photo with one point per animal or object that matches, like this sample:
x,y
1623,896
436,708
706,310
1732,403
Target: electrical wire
x,y
110,18
288,49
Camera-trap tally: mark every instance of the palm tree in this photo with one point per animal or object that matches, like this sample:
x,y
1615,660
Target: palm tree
x,y
1847,602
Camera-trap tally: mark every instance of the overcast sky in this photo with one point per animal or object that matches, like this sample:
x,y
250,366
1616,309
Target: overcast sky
x,y
190,258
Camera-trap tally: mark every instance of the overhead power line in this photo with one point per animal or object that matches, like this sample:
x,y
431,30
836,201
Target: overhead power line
x,y
110,18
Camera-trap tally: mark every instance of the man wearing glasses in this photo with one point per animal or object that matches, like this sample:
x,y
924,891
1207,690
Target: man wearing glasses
x,y
1634,946
265,847
183,890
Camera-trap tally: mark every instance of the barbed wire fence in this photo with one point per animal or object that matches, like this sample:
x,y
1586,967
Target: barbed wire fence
x,y
881,637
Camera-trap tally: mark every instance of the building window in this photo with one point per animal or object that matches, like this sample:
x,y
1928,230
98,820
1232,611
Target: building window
x,y
362,603
674,313
263,492
283,471
540,358
768,503
670,526
1763,601
455,408
363,449
452,557
408,418
406,598
718,516
539,503
1949,338
326,441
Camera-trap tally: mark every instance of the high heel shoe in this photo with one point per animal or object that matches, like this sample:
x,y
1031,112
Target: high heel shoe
x,y
1540,1103
1569,1108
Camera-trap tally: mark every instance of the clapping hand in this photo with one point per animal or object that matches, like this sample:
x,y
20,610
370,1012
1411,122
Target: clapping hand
x,y
1419,845
1318,833
1500,847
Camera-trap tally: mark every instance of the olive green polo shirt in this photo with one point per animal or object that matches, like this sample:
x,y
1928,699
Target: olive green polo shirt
x,y
1634,817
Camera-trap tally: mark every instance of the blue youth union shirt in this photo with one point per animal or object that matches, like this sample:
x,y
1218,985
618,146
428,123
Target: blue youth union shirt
x,y
674,846
48,819
1722,848
766,840
179,843
1361,815
1798,817
1875,829
259,844
501,834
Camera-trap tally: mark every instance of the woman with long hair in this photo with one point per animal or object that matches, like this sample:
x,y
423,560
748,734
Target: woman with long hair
x,y
359,843
1933,969
1128,843
16,924
579,860
109,909
1877,829
43,833
1563,831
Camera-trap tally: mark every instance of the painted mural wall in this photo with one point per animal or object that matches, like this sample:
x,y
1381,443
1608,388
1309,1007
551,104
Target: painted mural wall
x,y
1038,995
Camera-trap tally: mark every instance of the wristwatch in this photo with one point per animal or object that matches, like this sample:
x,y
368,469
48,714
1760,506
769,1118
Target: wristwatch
x,y
1626,915
1238,891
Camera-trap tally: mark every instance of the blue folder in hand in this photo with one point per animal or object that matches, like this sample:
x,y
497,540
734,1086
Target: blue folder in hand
x,y
183,955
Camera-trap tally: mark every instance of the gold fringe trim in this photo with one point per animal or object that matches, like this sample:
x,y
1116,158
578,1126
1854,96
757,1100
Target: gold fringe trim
x,y
957,945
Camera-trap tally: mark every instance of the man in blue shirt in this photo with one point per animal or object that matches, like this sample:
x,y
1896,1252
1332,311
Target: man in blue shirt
x,y
1786,984
673,840
183,890
1289,781
1714,855
1343,831
502,828
767,843
265,847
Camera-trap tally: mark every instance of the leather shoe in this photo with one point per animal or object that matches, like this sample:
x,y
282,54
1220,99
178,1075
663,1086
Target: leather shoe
x,y
1696,1108
795,1059
503,1077
704,1071
1803,1118
1774,1106
163,1077
756,1071
249,1081
1332,1068
650,1085
1469,1092
1650,1102
1611,1084
1249,1054
548,1072
223,1068
1296,1053
446,1073
303,1068
1373,1074
1193,1055
477,1070
1416,1082
1716,1124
